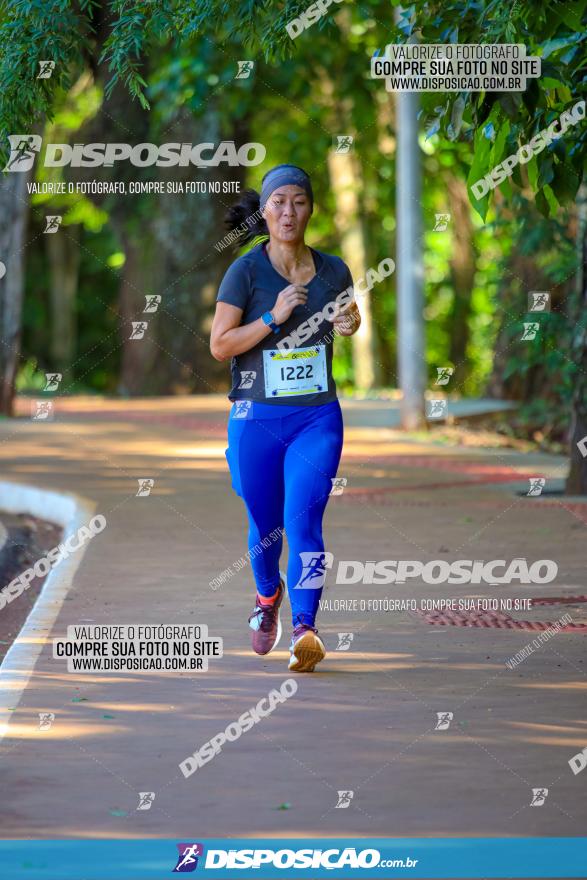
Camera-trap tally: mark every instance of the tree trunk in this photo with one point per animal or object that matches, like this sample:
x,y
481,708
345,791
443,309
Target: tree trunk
x,y
140,278
122,119
186,229
168,241
577,479
463,275
14,206
345,181
521,274
64,258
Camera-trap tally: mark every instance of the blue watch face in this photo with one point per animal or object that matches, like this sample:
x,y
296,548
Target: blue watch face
x,y
268,320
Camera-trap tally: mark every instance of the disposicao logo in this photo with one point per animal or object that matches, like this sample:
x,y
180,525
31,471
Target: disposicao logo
x,y
25,147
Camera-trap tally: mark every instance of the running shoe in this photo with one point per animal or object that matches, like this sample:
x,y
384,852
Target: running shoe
x,y
306,649
266,623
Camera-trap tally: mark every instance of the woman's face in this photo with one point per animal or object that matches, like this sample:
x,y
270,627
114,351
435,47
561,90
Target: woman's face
x,y
287,212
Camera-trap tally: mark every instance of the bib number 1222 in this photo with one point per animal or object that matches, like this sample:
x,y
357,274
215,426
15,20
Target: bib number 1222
x,y
302,371
295,372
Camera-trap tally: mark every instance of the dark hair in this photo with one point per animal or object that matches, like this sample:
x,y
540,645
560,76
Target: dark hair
x,y
244,218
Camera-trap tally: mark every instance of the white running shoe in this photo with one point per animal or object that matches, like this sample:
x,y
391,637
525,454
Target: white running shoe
x,y
306,649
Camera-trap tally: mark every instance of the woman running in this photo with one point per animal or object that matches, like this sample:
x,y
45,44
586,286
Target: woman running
x,y
278,309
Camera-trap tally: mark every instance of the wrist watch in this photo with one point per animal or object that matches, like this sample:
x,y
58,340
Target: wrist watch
x,y
269,320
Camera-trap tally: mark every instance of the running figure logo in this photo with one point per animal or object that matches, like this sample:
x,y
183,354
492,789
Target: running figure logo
x,y
46,68
241,408
444,719
46,719
52,381
152,303
437,409
145,486
530,331
53,222
245,68
344,641
138,329
314,567
444,374
146,799
187,861
539,301
539,795
344,143
247,378
338,484
344,799
536,486
23,149
43,411
441,222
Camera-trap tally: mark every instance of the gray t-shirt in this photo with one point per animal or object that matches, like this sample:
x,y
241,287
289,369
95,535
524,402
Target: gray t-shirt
x,y
301,375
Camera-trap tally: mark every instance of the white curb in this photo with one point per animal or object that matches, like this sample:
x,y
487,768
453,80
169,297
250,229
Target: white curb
x,y
69,511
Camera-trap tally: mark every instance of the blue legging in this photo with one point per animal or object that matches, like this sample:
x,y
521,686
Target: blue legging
x,y
282,467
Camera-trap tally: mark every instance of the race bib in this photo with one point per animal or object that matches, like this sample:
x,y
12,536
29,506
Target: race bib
x,y
299,371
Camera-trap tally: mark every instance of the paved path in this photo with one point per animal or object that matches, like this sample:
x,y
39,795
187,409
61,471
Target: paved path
x,y
366,723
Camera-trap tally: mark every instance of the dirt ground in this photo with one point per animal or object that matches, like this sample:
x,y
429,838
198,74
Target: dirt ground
x,y
27,538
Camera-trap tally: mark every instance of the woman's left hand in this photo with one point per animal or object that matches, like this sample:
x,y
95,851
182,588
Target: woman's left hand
x,y
347,320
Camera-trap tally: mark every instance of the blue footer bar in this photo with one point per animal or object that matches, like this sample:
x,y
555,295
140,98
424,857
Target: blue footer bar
x,y
308,859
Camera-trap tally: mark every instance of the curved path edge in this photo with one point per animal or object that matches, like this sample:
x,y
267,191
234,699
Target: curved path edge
x,y
69,511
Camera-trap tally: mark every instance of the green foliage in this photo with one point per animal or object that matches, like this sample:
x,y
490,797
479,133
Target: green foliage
x,y
62,31
71,111
301,93
541,373
29,377
32,31
137,26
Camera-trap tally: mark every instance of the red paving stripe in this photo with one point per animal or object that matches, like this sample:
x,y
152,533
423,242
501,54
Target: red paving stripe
x,y
498,620
189,422
445,484
382,497
445,463
492,620
482,474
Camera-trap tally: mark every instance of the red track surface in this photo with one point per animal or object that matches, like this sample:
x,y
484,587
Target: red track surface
x,y
498,620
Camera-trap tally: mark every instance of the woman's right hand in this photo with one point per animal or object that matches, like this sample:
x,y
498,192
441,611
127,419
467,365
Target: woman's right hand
x,y
287,299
